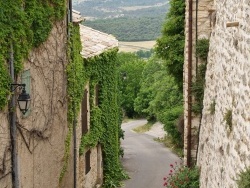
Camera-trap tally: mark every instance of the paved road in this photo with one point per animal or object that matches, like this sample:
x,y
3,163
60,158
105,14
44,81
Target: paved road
x,y
145,160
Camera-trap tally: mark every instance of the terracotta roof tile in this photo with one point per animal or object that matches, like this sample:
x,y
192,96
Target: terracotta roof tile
x,y
95,42
76,17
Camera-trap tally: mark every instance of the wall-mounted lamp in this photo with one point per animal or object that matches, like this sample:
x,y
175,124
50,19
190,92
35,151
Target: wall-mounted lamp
x,y
23,98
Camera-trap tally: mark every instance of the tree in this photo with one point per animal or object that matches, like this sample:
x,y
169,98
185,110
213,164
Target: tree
x,y
159,98
131,67
170,46
147,93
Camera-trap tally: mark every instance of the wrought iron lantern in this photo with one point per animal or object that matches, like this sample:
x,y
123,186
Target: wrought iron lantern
x,y
23,98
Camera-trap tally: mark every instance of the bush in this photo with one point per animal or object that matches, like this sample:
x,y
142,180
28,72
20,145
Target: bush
x,y
182,177
202,48
170,120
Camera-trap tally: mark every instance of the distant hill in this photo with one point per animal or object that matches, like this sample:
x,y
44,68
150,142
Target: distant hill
x,y
128,20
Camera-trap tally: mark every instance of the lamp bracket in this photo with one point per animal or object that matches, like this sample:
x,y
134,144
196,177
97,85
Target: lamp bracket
x,y
15,86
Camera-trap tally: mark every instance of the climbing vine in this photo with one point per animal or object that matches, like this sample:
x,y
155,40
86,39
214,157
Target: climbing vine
x,y
77,78
202,48
105,117
24,24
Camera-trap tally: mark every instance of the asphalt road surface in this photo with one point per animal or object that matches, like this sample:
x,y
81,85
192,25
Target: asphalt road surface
x,y
145,160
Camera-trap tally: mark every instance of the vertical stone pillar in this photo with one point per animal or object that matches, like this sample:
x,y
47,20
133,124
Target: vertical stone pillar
x,y
201,28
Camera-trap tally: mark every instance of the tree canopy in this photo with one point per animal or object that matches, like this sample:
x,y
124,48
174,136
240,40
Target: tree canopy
x,y
170,46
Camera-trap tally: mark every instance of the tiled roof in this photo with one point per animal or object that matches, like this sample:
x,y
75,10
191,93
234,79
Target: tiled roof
x,y
95,42
76,17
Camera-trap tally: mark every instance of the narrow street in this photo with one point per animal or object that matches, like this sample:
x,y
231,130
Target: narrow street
x,y
145,160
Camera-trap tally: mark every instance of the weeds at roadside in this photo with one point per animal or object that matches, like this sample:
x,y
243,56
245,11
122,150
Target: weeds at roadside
x,y
143,128
167,142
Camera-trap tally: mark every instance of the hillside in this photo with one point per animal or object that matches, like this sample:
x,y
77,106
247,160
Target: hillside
x,y
131,20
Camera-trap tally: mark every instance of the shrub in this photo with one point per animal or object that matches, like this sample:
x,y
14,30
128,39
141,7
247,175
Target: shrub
x,y
170,120
244,179
182,177
202,48
228,119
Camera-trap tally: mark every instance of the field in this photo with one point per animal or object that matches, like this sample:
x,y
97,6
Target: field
x,y
135,46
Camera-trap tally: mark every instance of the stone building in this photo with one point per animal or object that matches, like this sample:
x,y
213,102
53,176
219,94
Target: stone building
x,y
42,130
42,133
223,147
90,163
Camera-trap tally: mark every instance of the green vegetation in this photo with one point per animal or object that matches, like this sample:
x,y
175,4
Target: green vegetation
x,y
77,78
167,141
202,48
170,46
4,84
103,71
198,89
198,86
143,128
144,53
182,177
243,180
228,118
116,8
212,107
157,97
25,25
105,118
126,20
129,29
131,67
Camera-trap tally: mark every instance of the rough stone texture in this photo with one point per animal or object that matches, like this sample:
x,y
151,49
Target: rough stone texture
x,y
223,152
204,23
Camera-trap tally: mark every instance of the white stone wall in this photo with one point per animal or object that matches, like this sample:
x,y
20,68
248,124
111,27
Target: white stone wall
x,y
223,152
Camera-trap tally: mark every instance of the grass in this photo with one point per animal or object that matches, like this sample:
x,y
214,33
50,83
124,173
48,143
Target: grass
x,y
143,128
167,142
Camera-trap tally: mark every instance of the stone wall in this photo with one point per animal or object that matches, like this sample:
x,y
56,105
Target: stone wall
x,y
5,152
201,28
224,149
43,132
95,175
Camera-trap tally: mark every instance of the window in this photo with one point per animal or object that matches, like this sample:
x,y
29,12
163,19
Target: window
x,y
85,112
87,161
25,79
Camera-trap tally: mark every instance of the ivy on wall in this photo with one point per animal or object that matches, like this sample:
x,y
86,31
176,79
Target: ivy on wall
x,y
202,48
105,118
77,78
24,24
